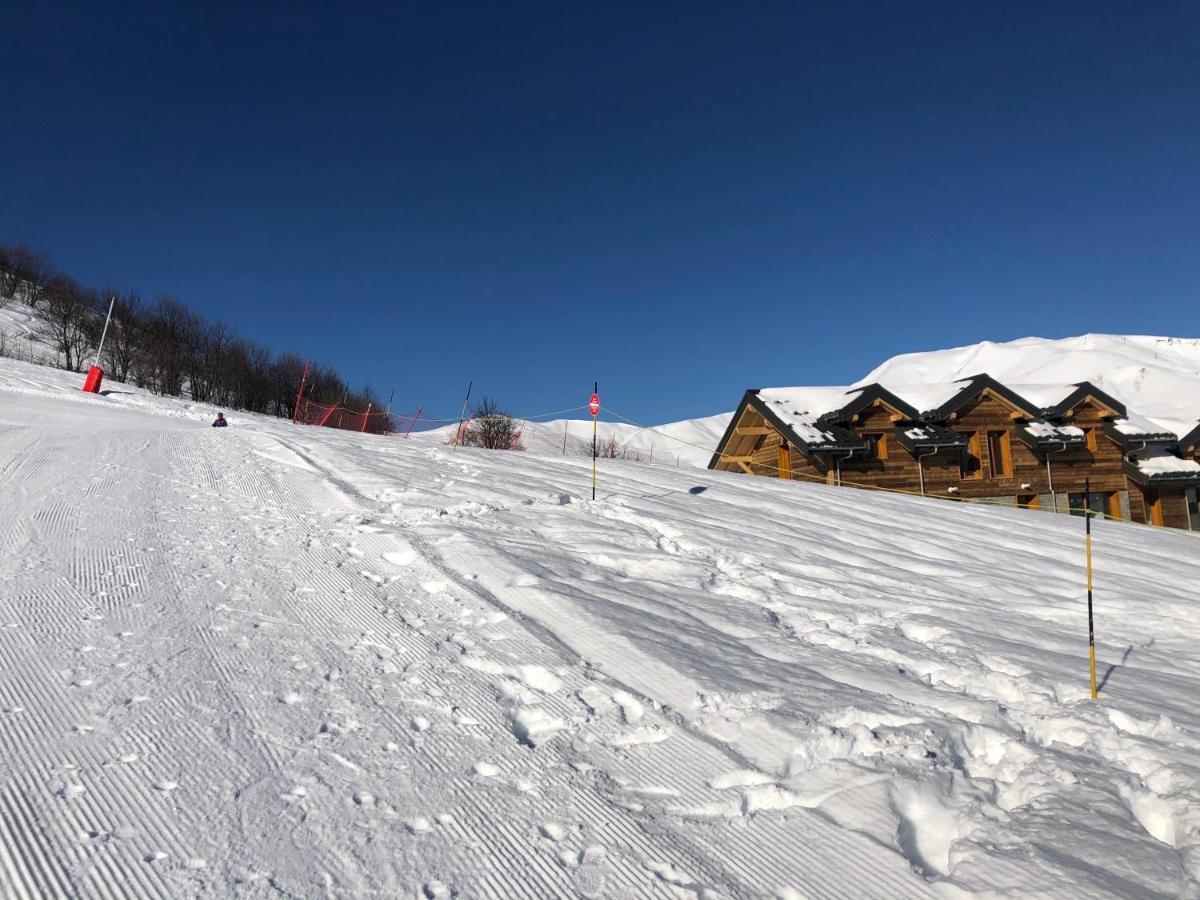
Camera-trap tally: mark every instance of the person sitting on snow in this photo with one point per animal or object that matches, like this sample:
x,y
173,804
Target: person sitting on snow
x,y
220,423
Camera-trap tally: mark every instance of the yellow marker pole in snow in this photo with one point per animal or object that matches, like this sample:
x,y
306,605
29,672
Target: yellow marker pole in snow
x,y
1087,515
594,409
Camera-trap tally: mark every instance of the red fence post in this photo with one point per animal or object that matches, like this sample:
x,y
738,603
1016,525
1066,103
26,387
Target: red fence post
x,y
327,415
366,416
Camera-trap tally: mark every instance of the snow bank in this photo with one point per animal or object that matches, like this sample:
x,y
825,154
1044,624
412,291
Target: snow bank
x,y
274,659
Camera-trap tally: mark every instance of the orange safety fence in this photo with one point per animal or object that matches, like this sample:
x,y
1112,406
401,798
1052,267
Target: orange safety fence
x,y
334,415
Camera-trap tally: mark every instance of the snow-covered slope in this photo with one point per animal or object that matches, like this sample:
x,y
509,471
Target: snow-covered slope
x,y
1156,377
285,660
690,442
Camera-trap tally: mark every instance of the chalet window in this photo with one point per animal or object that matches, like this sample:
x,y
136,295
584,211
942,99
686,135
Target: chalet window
x,y
999,454
1092,443
1097,503
877,447
972,464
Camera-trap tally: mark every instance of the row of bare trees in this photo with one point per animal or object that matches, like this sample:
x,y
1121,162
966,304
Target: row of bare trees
x,y
163,345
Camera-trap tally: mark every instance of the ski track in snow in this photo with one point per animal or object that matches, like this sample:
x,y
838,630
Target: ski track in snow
x,y
277,660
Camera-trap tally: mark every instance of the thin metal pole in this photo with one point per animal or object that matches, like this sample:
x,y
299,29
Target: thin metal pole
x,y
300,393
416,416
595,419
1087,514
463,415
104,333
566,425
1050,482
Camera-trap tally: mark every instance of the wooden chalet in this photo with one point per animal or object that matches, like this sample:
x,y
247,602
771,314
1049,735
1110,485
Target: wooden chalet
x,y
1028,445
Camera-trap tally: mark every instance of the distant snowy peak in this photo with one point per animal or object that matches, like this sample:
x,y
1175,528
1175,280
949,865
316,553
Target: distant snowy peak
x,y
1155,377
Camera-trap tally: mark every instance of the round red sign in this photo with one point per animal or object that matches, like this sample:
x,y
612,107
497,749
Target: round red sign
x,y
594,405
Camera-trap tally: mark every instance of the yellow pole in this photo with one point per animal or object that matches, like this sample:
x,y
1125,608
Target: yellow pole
x,y
595,417
1087,514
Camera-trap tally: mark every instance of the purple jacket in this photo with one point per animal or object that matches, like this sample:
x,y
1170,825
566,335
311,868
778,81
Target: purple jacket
x,y
220,422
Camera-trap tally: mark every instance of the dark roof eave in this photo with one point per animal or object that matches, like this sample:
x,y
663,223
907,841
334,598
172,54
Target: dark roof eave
x,y
1136,441
1165,479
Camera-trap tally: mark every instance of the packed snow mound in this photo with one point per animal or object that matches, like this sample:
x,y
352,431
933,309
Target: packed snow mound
x,y
271,659
1155,377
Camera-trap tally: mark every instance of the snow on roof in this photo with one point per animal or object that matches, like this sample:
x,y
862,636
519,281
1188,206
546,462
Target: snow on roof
x,y
925,397
1043,396
919,434
801,407
1048,431
1134,425
1160,462
1157,376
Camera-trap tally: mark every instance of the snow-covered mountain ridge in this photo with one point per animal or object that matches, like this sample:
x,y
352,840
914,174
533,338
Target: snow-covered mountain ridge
x,y
1155,377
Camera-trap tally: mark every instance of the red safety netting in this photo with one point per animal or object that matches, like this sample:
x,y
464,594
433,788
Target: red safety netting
x,y
334,415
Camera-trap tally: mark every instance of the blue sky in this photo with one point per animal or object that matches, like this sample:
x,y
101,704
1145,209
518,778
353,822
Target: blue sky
x,y
679,200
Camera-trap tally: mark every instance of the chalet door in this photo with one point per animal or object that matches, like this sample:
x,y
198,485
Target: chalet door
x,y
1154,507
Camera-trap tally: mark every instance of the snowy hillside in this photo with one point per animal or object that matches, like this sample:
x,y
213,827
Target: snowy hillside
x,y
1156,377
688,443
286,660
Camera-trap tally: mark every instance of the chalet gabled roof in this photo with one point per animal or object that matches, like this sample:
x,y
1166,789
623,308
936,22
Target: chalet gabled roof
x,y
803,416
795,414
731,428
1159,467
973,387
867,396
927,436
1190,440
1082,391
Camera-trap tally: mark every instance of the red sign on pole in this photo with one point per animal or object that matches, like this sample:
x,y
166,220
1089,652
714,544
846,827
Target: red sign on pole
x,y
594,405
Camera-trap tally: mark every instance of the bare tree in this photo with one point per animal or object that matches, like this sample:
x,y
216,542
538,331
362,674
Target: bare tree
x,y
125,335
608,448
69,313
492,428
29,271
170,329
8,276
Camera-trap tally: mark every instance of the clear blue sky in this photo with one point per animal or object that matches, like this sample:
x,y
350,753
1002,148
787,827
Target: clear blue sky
x,y
680,200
